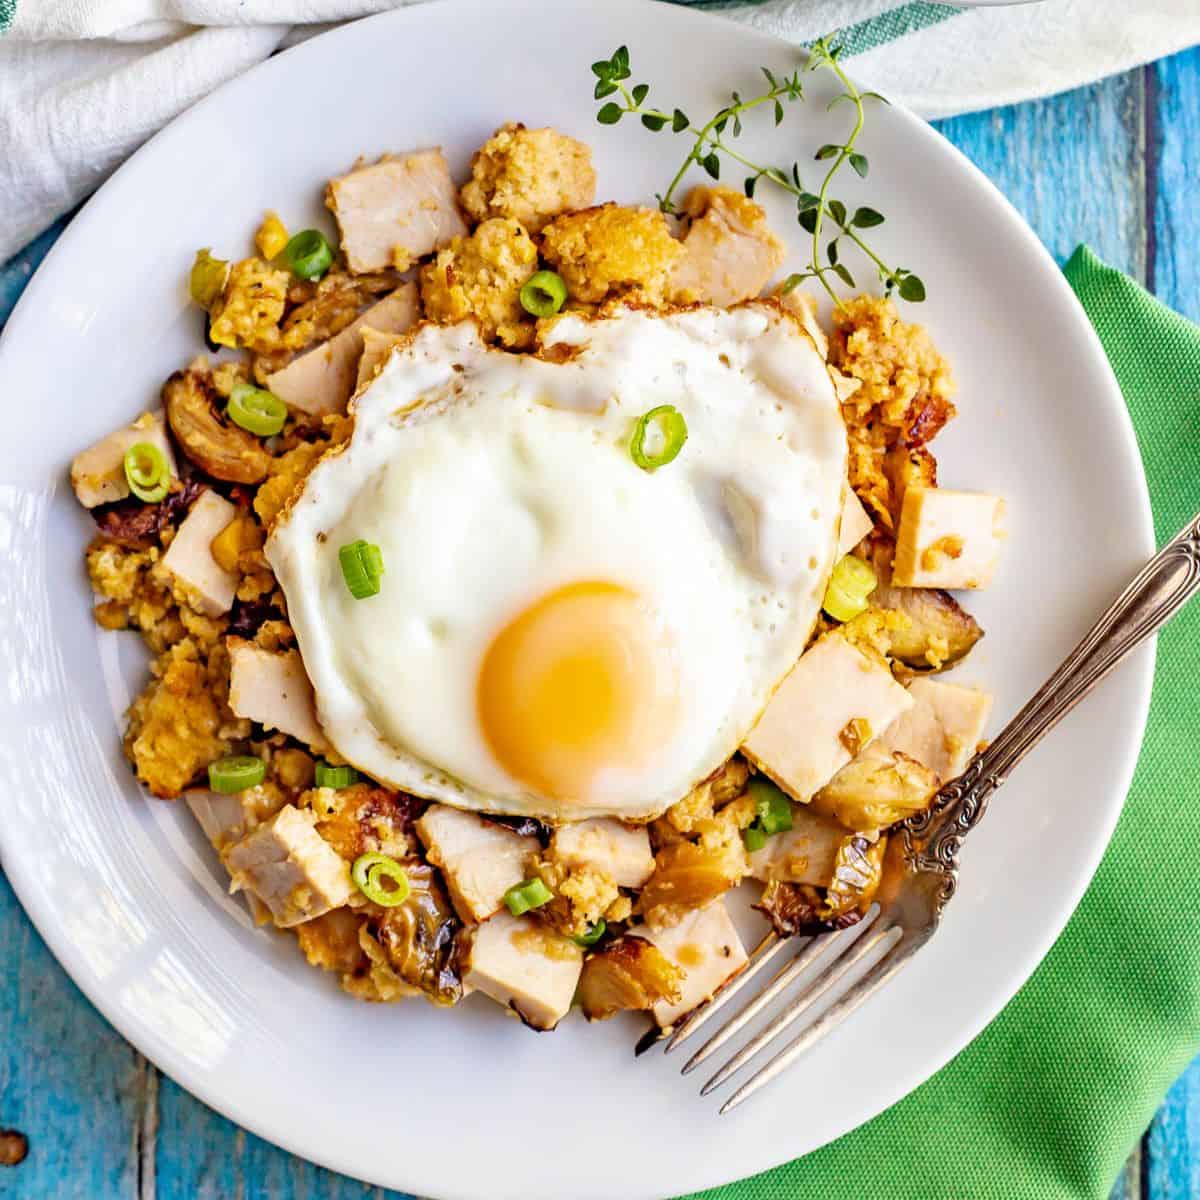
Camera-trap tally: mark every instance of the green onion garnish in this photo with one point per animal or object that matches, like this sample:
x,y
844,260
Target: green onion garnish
x,y
146,472
256,410
533,893
370,871
362,565
774,809
851,582
236,774
755,837
544,294
592,936
335,777
672,429
308,254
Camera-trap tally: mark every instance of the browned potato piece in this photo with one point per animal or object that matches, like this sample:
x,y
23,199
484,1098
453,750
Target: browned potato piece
x,y
940,631
628,974
214,444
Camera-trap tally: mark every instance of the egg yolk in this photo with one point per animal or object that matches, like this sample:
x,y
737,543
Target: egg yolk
x,y
582,682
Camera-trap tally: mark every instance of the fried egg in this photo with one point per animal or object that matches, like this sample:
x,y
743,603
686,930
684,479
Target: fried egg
x,y
559,631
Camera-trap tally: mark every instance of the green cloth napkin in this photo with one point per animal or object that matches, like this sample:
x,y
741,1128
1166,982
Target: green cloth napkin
x,y
1048,1101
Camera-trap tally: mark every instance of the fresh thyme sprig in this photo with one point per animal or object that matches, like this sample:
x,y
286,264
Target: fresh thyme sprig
x,y
711,142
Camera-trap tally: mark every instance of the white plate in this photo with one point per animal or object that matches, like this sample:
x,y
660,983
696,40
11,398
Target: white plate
x,y
469,1103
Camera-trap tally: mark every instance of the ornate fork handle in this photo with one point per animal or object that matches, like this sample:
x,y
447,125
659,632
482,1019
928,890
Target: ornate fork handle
x,y
933,838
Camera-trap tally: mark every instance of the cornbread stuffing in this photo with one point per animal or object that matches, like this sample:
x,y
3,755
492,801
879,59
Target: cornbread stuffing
x,y
904,397
248,311
396,896
530,176
481,276
612,250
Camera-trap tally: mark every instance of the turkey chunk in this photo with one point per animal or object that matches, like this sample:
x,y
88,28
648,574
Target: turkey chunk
x,y
270,687
397,210
604,844
321,380
943,728
207,586
227,817
729,250
290,869
479,860
947,539
833,703
706,947
98,473
526,967
376,349
806,853
855,522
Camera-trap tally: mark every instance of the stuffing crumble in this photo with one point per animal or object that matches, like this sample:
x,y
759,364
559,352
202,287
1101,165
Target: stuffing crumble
x,y
182,721
903,398
481,276
530,176
248,311
610,250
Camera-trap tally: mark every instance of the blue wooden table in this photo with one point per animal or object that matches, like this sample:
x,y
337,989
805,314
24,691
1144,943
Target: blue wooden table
x,y
1114,165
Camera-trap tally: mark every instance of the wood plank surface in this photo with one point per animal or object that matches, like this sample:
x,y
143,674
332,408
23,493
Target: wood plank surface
x,y
1114,165
68,1082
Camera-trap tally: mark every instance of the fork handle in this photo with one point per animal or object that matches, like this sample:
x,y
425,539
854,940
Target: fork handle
x,y
1158,591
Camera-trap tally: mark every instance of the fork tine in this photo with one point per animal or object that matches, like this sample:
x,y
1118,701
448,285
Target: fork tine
x,y
891,962
798,1006
767,950
816,949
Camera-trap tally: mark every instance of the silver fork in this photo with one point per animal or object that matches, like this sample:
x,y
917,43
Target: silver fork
x,y
921,866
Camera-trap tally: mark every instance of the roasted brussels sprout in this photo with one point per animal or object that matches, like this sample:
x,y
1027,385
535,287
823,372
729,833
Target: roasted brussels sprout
x,y
939,631
687,876
856,876
628,974
796,909
876,789
214,444
420,936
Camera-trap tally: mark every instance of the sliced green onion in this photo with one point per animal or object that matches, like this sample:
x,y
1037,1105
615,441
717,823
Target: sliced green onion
x,y
207,279
362,565
672,429
146,472
335,777
370,871
593,935
773,807
544,294
851,582
755,837
236,774
533,893
256,410
308,254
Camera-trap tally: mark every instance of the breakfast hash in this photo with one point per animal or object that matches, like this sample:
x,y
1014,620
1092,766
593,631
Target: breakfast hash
x,y
524,574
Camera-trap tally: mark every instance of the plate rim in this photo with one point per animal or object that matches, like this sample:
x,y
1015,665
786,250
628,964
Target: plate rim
x,y
194,1080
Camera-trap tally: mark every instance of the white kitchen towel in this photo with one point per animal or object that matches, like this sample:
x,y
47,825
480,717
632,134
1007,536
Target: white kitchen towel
x,y
84,82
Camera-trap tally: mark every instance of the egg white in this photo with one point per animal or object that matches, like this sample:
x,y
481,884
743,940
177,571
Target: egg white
x,y
488,480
